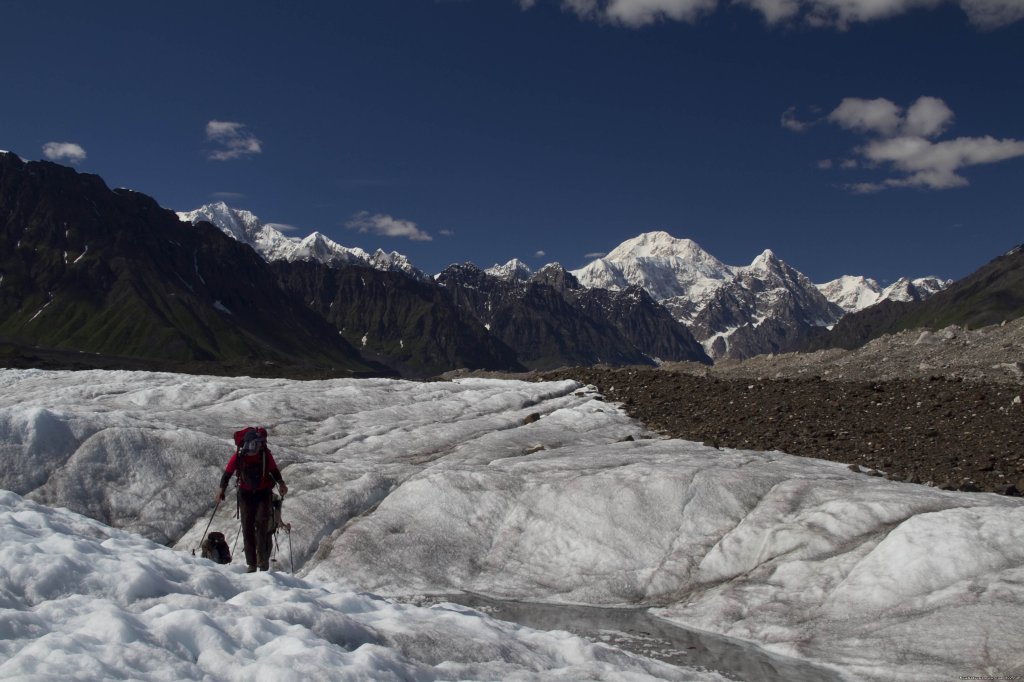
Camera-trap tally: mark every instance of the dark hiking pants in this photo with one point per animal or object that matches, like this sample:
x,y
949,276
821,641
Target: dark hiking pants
x,y
254,509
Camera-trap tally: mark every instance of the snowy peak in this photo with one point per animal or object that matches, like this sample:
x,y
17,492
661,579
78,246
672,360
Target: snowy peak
x,y
854,293
273,245
665,266
766,262
658,244
905,289
513,271
240,225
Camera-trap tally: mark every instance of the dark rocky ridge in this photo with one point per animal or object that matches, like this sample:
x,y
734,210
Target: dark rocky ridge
x,y
992,294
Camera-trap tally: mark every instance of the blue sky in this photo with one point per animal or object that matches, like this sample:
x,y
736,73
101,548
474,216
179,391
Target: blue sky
x,y
872,137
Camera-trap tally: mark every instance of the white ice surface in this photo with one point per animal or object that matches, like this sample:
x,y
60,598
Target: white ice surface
x,y
413,488
82,601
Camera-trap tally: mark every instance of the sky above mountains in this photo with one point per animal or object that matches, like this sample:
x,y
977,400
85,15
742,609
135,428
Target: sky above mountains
x,y
879,138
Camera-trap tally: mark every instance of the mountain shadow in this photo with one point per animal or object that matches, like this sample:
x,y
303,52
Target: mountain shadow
x,y
410,324
111,275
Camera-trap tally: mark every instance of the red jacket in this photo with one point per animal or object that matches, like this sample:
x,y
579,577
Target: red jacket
x,y
271,474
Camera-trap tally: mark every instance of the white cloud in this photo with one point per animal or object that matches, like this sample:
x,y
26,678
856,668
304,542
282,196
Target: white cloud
x,y
825,164
791,122
900,143
594,255
446,233
774,11
992,14
227,195
867,115
840,14
387,226
934,165
234,140
642,12
927,117
540,254
634,13
64,151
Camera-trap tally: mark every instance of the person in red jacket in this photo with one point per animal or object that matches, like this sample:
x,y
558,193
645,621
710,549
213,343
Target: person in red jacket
x,y
257,473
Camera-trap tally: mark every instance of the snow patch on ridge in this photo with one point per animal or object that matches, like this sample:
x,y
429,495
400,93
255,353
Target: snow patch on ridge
x,y
272,244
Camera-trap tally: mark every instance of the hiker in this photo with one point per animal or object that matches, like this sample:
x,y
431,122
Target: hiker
x,y
257,472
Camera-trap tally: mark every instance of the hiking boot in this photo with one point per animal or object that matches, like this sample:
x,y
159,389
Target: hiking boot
x,y
264,567
250,569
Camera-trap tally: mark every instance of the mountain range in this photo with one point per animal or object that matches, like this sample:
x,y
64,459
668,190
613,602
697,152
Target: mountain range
x,y
87,272
733,311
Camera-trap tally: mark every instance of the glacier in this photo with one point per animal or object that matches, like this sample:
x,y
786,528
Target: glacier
x,y
531,493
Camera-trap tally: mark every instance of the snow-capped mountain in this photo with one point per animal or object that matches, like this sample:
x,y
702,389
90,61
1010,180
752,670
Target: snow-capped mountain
x,y
853,293
514,271
738,311
273,245
666,267
735,311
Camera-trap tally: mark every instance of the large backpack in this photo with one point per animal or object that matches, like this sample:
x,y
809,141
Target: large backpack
x,y
252,466
215,548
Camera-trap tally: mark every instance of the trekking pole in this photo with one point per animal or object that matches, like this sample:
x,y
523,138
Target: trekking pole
x,y
291,560
201,537
235,543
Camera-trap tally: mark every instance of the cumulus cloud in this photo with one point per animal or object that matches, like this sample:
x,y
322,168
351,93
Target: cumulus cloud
x,y
840,14
64,151
927,117
934,165
387,226
867,115
233,141
901,143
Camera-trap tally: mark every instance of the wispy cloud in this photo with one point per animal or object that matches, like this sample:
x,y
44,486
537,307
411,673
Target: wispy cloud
x,y
595,255
840,14
64,151
233,140
387,226
227,196
283,227
446,233
789,121
901,143
540,254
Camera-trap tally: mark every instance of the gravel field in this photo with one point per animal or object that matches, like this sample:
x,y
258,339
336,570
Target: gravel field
x,y
937,408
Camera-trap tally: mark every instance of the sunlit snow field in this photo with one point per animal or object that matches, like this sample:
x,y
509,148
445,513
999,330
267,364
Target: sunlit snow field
x,y
541,493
